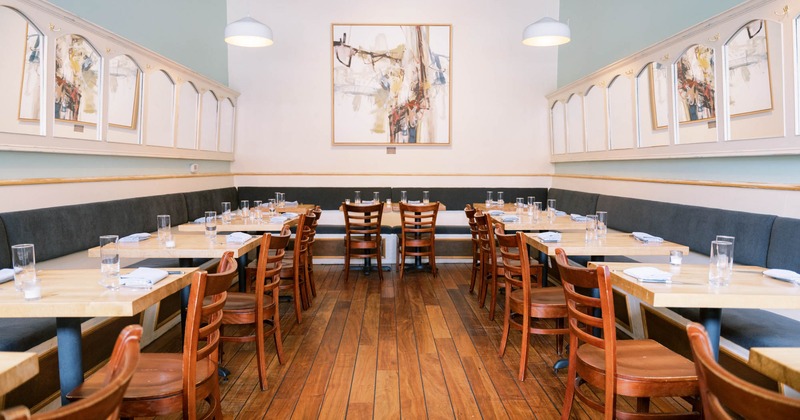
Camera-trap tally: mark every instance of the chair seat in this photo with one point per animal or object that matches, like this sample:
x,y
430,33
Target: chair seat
x,y
640,361
548,302
244,302
158,375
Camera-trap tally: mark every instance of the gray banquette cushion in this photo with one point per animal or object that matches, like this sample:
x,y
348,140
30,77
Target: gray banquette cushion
x,y
328,198
198,202
573,201
5,250
692,226
784,244
753,327
458,198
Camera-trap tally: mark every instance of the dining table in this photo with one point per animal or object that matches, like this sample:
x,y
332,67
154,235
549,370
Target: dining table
x,y
779,363
688,288
70,296
527,223
241,224
16,367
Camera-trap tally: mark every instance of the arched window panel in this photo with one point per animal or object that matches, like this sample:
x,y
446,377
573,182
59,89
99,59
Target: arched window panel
x,y
158,110
21,69
226,125
188,106
594,102
753,57
124,100
77,88
651,105
621,114
558,123
208,121
695,95
575,142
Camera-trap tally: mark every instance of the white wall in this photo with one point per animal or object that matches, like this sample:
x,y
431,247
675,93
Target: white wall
x,y
499,112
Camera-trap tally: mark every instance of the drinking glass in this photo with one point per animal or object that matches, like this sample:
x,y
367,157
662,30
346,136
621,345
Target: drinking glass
x,y
537,211
732,240
164,226
226,212
403,197
109,261
388,206
244,206
23,260
531,200
500,201
551,210
376,197
211,224
271,207
675,257
425,197
281,200
520,205
602,224
488,200
357,198
719,263
256,213
591,227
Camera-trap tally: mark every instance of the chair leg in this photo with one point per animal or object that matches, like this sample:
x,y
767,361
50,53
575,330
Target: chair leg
x,y
482,286
432,258
474,269
311,273
278,338
297,295
559,337
307,278
346,261
402,261
260,357
523,351
493,302
569,397
506,325
379,263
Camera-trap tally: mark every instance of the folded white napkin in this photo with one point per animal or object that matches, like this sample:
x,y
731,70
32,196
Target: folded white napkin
x,y
238,237
291,204
135,237
203,219
649,274
142,277
289,215
414,202
560,213
549,236
278,219
6,274
780,274
496,212
509,219
646,237
366,202
578,217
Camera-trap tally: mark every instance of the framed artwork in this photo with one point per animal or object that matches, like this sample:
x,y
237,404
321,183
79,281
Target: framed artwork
x,y
658,95
77,80
749,82
390,84
695,85
123,92
31,86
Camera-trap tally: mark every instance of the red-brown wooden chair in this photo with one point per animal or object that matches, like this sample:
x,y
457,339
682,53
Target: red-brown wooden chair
x,y
418,233
362,225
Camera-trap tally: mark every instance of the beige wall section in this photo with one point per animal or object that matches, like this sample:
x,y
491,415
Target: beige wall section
x,y
499,112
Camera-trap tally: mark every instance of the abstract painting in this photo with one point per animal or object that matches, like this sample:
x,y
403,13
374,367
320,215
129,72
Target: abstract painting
x,y
390,84
123,92
77,80
749,83
695,84
30,91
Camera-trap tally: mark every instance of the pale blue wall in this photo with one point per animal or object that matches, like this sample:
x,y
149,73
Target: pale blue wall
x,y
606,31
189,32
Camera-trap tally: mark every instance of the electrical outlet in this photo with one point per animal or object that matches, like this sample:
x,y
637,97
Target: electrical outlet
x,y
193,168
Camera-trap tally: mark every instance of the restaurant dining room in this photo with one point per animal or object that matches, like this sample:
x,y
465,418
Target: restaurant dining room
x,y
239,209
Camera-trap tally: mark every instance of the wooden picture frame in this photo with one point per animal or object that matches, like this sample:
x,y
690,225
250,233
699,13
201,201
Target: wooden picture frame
x,y
390,84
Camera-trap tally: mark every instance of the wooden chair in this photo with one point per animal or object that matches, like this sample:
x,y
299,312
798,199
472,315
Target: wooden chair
x,y
634,368
294,272
726,396
362,225
317,211
242,308
476,250
105,402
166,383
418,235
527,303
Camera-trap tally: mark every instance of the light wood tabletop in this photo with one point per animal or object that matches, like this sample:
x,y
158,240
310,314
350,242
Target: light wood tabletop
x,y
526,223
77,294
189,245
507,207
239,224
16,368
779,363
615,243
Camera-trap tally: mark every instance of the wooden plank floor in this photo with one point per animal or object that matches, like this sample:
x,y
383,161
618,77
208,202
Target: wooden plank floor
x,y
415,348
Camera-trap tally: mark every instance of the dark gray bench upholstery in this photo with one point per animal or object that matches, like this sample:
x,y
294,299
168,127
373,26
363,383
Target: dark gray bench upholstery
x,y
458,198
198,202
328,198
573,201
5,247
783,251
753,327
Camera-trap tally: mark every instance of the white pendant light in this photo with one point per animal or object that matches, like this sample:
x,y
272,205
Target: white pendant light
x,y
248,32
546,32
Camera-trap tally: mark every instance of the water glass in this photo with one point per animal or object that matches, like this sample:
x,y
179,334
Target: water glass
x,y
537,211
271,205
256,213
488,200
376,197
164,226
719,263
730,239
109,261
281,198
591,227
531,200
23,260
226,212
602,224
244,206
357,198
403,197
520,205
211,224
500,201
388,208
425,197
675,257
